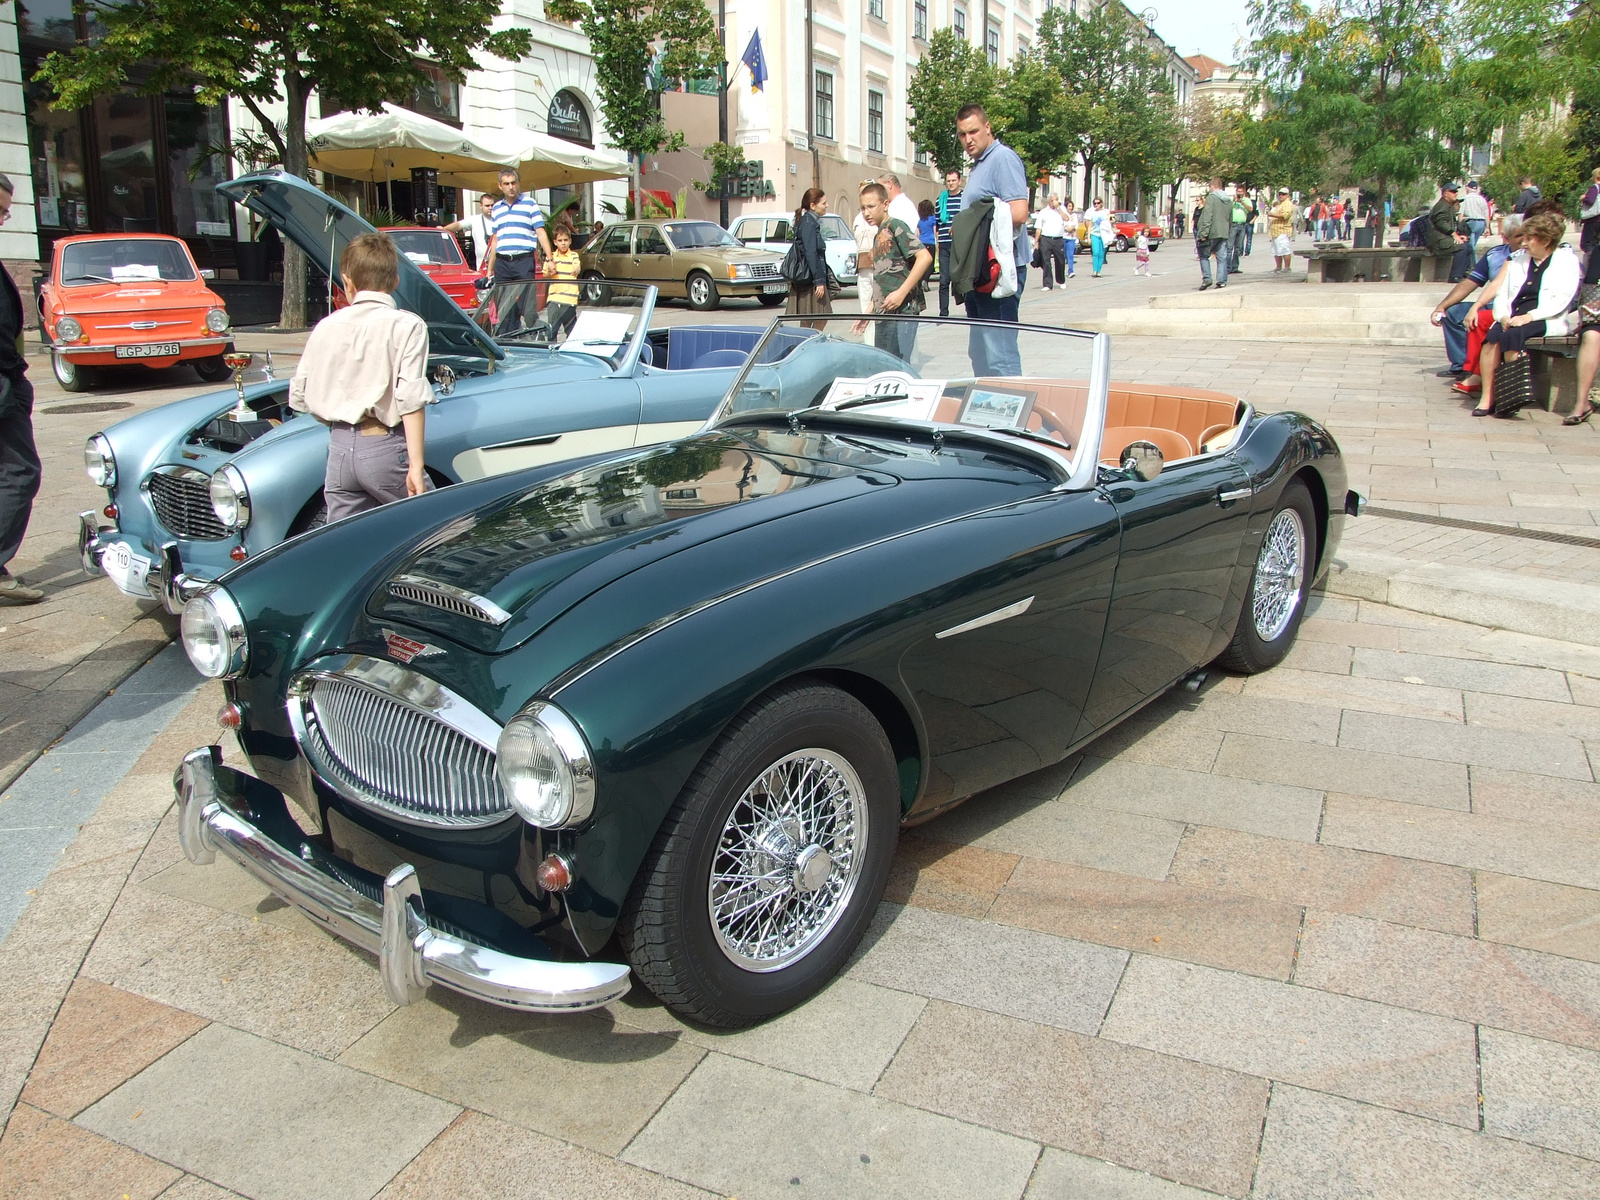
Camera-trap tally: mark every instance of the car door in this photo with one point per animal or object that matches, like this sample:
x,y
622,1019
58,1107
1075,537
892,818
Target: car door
x,y
1181,536
517,423
1003,681
652,257
614,258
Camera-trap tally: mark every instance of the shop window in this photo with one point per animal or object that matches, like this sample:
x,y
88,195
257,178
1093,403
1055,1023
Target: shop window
x,y
195,134
874,121
55,145
824,111
125,148
49,21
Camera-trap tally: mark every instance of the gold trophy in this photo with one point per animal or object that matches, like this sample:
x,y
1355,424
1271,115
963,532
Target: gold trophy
x,y
237,361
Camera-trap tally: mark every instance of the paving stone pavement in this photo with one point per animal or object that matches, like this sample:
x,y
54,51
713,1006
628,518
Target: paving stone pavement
x,y
1229,953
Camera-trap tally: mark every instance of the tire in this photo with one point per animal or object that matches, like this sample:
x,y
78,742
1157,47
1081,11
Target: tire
x,y
594,292
720,970
313,516
771,301
212,370
70,375
1120,245
1154,246
1279,585
702,292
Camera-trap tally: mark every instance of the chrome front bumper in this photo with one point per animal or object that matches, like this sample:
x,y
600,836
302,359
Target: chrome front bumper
x,y
166,581
216,812
111,347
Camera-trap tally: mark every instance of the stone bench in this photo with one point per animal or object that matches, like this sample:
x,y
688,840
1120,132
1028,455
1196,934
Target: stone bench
x,y
1401,264
1555,372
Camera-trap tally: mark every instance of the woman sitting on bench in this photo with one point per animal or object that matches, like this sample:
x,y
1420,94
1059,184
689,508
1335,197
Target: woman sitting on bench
x,y
1531,295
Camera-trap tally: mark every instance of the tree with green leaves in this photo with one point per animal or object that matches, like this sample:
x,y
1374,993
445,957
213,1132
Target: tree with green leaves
x,y
638,47
1030,113
951,73
1374,79
363,51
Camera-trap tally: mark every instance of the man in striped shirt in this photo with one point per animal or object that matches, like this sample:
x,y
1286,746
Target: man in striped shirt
x,y
515,222
949,205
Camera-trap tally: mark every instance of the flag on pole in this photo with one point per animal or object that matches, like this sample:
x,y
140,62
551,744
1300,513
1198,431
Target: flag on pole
x,y
756,61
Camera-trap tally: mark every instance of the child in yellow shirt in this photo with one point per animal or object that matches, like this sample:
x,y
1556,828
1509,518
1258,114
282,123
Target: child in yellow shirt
x,y
561,304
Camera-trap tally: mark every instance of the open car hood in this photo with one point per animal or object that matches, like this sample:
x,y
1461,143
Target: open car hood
x,y
323,227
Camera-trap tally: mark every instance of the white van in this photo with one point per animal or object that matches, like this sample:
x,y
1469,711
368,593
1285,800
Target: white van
x,y
776,232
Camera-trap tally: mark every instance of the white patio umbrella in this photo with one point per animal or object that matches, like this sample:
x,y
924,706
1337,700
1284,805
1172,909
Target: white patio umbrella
x,y
378,146
544,161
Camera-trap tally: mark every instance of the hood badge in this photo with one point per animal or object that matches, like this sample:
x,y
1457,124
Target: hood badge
x,y
405,649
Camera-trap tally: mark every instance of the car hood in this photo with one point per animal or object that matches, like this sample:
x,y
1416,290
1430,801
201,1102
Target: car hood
x,y
535,554
322,227
735,254
116,299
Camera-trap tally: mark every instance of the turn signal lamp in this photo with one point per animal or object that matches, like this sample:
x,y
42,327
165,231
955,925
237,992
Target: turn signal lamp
x,y
554,874
231,716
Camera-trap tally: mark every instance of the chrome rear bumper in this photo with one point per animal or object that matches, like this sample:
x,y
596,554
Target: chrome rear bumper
x,y
216,813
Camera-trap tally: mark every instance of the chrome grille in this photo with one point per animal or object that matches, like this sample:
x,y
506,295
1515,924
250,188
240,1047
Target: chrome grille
x,y
182,500
391,756
764,270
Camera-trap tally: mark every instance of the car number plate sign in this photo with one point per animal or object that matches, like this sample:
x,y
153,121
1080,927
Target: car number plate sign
x,y
152,350
774,289
126,569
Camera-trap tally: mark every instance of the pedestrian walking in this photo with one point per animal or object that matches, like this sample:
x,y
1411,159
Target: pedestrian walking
x,y
364,374
1250,225
1238,227
949,207
810,296
1336,218
1141,254
1212,229
1528,196
1475,212
899,264
1099,219
479,229
927,226
517,229
1050,223
1280,228
20,470
998,176
1073,220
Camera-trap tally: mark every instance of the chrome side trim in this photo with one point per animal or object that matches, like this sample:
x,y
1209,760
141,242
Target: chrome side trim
x,y
411,953
993,618
463,603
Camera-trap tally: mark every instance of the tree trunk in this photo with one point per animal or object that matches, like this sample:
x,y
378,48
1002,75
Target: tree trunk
x,y
293,313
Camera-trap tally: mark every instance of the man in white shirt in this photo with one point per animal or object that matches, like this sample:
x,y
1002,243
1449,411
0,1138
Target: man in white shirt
x,y
1475,212
1050,226
901,206
478,226
364,375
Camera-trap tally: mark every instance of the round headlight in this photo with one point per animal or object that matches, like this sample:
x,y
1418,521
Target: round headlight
x,y
214,635
544,768
230,498
217,320
68,330
99,462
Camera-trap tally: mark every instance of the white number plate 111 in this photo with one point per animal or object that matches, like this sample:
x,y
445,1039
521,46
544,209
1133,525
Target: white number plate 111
x,y
126,569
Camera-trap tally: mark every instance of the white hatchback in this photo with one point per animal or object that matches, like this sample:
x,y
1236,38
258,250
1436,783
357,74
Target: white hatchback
x,y
776,232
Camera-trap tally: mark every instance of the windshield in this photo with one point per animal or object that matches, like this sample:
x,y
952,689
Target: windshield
x,y
699,235
833,226
582,317
1040,390
427,247
126,260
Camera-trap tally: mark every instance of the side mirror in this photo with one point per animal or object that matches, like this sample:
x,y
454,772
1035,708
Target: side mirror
x,y
207,273
1142,460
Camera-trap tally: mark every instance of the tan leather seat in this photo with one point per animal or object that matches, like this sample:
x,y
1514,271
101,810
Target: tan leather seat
x,y
1173,445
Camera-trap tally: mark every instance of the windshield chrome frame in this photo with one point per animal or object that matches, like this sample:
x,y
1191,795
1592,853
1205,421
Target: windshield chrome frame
x,y
1085,468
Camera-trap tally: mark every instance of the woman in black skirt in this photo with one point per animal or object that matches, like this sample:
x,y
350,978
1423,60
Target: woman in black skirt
x,y
809,297
1531,296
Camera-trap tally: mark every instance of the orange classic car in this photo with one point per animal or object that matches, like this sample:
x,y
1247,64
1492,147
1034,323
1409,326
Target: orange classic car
x,y
122,298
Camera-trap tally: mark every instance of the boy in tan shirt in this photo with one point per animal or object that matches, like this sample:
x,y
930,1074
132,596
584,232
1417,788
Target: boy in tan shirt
x,y
364,375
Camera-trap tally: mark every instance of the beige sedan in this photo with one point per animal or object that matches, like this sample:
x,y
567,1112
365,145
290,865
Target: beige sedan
x,y
698,260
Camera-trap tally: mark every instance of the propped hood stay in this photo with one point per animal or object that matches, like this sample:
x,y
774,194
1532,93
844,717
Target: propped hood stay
x,y
322,227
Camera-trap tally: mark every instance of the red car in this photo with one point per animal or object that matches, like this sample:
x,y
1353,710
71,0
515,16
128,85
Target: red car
x,y
438,253
1128,226
121,298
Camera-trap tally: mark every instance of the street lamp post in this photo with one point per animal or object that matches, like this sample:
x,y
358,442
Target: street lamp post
x,y
722,106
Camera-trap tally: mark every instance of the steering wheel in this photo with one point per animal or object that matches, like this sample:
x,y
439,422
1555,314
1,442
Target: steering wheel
x,y
1049,425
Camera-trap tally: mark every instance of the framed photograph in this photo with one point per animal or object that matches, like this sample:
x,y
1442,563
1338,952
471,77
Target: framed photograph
x,y
996,410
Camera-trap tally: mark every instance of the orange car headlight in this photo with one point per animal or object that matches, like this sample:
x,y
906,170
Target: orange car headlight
x,y
68,330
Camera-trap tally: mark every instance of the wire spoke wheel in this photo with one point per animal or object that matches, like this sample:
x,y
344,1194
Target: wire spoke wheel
x,y
1280,572
788,859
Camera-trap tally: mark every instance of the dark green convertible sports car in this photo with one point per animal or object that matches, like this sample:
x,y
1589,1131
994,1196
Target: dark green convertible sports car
x,y
664,711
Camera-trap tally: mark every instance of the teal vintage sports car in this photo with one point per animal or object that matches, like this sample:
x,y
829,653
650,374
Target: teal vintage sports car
x,y
680,700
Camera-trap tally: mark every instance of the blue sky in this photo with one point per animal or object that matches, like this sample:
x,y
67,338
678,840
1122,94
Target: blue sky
x,y
1206,28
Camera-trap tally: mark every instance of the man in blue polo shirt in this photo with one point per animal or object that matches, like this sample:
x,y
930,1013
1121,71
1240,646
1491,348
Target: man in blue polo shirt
x,y
517,229
1451,312
997,174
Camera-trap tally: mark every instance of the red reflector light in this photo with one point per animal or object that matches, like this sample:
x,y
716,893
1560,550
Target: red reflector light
x,y
231,716
111,511
554,874
238,554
